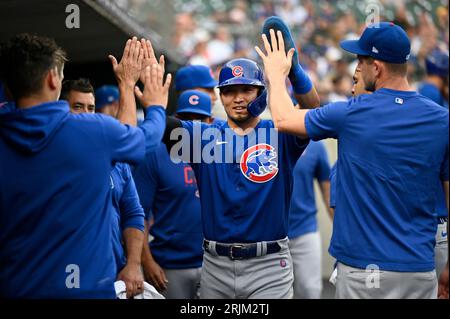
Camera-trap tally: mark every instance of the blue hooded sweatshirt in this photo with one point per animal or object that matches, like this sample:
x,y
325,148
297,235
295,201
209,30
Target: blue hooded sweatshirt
x,y
55,199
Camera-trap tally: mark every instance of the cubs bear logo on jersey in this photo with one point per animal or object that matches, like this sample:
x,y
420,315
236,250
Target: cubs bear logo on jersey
x,y
258,163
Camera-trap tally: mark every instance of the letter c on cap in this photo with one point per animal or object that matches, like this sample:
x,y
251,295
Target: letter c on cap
x,y
193,99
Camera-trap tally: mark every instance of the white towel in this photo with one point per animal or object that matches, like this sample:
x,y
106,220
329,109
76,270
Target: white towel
x,y
149,291
333,277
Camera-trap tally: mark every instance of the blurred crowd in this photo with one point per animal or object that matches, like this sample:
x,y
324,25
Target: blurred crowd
x,y
211,32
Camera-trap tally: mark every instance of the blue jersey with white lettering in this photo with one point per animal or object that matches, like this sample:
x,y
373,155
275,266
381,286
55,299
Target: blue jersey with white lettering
x,y
245,191
128,212
313,164
169,192
392,151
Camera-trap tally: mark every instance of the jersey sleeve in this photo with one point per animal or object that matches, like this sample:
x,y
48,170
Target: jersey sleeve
x,y
327,121
153,127
124,143
129,144
131,212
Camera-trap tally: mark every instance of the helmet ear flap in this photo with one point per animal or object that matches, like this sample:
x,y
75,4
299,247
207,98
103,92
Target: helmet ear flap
x,y
258,105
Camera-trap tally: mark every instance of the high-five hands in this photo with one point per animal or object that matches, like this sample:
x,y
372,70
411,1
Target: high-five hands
x,y
149,58
156,91
276,62
128,70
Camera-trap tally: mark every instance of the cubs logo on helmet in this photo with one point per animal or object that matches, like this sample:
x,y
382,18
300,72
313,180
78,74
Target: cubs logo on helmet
x,y
258,163
237,71
241,71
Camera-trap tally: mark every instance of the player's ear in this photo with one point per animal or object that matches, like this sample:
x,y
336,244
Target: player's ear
x,y
379,67
53,78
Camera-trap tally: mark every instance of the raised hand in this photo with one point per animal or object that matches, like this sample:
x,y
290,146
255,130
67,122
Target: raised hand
x,y
276,62
128,70
149,57
156,92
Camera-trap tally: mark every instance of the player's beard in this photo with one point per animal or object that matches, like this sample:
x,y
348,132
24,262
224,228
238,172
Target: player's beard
x,y
239,119
370,86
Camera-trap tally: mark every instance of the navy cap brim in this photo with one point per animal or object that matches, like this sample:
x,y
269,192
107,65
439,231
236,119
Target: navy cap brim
x,y
195,111
352,46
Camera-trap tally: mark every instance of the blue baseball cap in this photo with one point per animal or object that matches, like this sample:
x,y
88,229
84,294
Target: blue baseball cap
x,y
106,94
193,101
194,76
384,41
437,63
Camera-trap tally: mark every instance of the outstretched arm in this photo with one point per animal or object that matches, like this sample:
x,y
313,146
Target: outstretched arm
x,y
154,97
276,66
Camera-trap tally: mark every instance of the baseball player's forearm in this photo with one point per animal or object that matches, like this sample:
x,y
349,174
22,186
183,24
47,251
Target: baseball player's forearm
x,y
309,100
146,253
146,256
286,119
325,190
133,239
127,105
153,273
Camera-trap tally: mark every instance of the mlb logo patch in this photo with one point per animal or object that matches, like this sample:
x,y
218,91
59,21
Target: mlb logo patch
x,y
398,100
259,163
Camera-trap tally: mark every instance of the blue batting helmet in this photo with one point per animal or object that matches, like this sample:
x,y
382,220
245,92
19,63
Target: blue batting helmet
x,y
437,63
241,71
